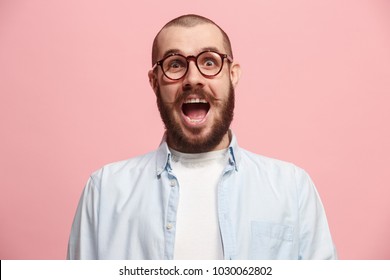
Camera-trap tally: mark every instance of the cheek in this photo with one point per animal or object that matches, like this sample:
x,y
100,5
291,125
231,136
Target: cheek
x,y
167,98
221,88
168,92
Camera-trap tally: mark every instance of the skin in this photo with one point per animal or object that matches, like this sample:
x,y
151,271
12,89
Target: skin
x,y
192,41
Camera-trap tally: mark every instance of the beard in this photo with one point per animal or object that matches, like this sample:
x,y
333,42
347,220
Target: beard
x,y
176,137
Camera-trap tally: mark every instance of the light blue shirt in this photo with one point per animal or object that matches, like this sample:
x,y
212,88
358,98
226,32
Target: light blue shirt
x,y
267,209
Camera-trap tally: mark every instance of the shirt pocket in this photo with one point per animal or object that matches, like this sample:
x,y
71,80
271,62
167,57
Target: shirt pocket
x,y
271,241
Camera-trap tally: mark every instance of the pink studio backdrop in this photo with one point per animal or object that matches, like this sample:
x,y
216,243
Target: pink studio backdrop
x,y
74,95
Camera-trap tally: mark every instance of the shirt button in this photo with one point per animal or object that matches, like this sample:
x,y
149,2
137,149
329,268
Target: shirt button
x,y
173,183
169,226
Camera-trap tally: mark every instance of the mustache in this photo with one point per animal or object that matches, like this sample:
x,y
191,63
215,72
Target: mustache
x,y
199,92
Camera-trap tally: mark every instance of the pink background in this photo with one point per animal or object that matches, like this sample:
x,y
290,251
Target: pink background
x,y
74,95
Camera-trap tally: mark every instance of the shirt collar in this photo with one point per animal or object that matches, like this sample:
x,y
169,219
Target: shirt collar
x,y
164,156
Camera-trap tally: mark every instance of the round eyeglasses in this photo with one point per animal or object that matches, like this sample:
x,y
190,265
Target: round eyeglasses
x,y
209,64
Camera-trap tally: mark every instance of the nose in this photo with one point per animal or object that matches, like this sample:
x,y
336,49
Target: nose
x,y
193,77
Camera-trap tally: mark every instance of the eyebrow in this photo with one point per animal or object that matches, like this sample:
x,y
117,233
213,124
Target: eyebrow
x,y
177,51
170,51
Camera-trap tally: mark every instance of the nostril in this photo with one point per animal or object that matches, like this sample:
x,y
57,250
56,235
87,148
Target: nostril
x,y
187,87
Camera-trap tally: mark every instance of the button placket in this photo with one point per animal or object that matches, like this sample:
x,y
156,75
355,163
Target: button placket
x,y
170,221
169,226
173,183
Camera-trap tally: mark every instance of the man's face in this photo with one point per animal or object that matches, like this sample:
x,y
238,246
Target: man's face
x,y
197,111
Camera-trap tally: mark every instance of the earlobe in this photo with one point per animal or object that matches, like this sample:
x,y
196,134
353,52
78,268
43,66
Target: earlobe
x,y
235,73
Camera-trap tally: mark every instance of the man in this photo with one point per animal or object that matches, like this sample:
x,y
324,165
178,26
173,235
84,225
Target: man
x,y
199,195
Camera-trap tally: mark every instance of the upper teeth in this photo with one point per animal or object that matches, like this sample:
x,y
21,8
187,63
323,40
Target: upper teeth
x,y
195,100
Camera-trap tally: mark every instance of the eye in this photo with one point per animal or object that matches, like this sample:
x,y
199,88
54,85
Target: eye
x,y
175,64
209,61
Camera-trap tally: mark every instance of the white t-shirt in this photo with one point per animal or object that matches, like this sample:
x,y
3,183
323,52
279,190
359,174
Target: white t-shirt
x,y
197,229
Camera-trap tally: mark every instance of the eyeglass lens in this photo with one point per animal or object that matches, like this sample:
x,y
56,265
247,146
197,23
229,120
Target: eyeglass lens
x,y
208,63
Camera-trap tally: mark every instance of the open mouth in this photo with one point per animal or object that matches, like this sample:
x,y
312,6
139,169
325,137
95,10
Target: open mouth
x,y
195,109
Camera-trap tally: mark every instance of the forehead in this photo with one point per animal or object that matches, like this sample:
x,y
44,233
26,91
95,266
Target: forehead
x,y
190,40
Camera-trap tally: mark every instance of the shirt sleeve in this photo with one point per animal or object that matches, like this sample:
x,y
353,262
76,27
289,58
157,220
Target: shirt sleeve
x,y
83,237
315,241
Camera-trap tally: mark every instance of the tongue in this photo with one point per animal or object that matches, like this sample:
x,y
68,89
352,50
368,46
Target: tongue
x,y
195,111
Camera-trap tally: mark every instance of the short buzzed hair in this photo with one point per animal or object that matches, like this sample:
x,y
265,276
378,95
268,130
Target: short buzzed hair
x,y
191,20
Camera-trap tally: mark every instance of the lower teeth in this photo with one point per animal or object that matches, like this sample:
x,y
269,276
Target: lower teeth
x,y
194,121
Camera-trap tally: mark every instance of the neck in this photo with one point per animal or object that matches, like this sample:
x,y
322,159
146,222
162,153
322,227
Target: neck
x,y
194,149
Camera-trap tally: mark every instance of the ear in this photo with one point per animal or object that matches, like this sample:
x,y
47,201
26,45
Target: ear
x,y
235,73
153,80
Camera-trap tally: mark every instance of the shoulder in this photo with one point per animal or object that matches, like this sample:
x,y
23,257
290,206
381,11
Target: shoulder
x,y
266,163
275,170
141,163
